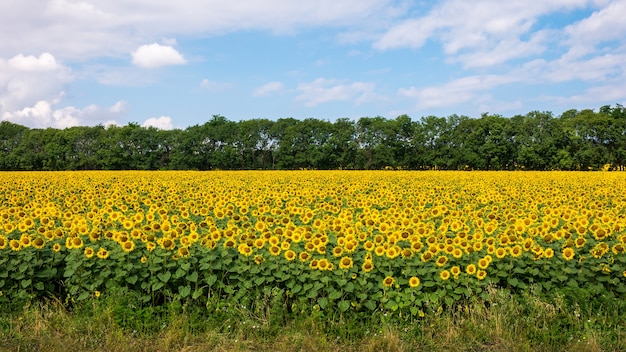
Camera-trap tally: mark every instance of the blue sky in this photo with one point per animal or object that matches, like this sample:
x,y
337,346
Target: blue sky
x,y
174,64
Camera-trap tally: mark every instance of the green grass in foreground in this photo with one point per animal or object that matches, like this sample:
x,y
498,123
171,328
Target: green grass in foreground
x,y
505,322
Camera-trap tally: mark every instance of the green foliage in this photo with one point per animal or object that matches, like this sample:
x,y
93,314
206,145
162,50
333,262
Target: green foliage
x,y
576,140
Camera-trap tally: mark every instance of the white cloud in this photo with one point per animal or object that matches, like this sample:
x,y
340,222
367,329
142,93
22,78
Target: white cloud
x,y
43,114
612,93
45,62
603,25
479,33
324,90
455,92
89,28
214,86
26,80
157,55
162,123
119,107
268,88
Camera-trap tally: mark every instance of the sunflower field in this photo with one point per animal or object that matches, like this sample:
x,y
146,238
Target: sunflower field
x,y
335,242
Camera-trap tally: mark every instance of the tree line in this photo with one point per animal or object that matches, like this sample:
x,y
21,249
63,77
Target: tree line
x,y
575,140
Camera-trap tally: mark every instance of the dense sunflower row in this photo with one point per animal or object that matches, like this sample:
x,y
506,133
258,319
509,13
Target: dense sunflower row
x,y
370,239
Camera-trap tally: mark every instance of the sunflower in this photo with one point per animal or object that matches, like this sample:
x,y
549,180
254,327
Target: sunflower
x,y
501,252
345,263
304,256
314,264
481,274
77,242
56,247
455,271
414,281
417,246
379,251
470,269
444,275
275,250
4,242
324,264
128,246
143,259
258,259
406,253
392,252
290,255
89,252
337,251
183,252
15,245
426,256
441,260
483,263
25,241
166,243
367,266
244,249
102,253
39,243
230,243
516,251
388,281
548,253
568,253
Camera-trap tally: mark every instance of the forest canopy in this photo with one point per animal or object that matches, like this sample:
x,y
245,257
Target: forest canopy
x,y
575,140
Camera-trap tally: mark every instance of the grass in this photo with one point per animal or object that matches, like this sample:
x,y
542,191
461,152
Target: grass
x,y
522,322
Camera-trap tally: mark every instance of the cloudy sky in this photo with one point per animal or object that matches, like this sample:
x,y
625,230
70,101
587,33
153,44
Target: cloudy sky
x,y
173,64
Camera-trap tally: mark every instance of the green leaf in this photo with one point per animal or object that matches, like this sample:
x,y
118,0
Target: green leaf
x,y
312,293
460,290
335,295
193,277
512,281
157,286
26,283
39,286
211,279
391,304
349,287
83,296
343,305
179,273
184,291
259,280
132,279
323,302
371,305
165,277
197,293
